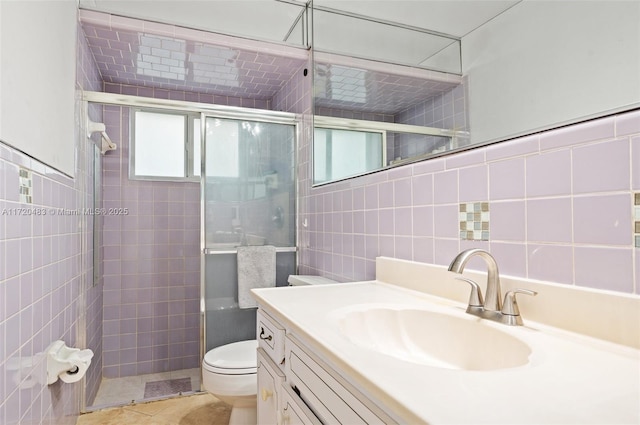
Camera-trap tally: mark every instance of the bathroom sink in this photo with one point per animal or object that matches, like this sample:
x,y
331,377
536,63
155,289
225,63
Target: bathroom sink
x,y
434,339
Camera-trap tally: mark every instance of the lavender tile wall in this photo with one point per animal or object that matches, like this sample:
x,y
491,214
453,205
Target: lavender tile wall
x,y
161,56
46,285
560,204
40,285
189,96
295,96
152,259
448,110
151,266
403,145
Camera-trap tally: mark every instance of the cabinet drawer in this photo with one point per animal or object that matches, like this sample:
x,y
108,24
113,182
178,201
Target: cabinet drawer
x,y
270,337
294,411
270,379
324,393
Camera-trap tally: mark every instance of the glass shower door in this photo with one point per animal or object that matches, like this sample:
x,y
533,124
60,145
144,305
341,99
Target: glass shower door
x,y
249,199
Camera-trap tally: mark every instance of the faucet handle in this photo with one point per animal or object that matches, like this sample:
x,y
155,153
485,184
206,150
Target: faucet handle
x,y
510,305
475,299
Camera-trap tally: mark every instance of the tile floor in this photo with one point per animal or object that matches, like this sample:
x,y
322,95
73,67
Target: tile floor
x,y
195,409
119,391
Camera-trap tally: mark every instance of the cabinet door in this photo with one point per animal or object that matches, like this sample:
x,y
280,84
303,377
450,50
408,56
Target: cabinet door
x,y
332,399
294,411
270,380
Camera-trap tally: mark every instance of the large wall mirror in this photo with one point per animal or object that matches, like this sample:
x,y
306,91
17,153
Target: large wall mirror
x,y
433,77
377,105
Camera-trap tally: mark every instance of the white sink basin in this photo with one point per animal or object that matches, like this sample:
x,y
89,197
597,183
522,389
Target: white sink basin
x,y
434,339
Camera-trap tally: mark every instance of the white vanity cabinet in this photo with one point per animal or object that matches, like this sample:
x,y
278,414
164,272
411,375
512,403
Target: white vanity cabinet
x,y
270,369
270,336
295,386
278,404
342,362
294,411
270,380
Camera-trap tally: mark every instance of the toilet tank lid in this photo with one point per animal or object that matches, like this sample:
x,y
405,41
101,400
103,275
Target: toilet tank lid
x,y
302,279
237,355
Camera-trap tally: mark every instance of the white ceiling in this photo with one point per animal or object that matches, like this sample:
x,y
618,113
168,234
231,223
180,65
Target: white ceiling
x,y
272,20
452,17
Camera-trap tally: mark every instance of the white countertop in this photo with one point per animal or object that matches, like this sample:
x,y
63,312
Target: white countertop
x,y
570,378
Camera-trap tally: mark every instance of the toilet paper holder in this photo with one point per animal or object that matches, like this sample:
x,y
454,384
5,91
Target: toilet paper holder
x,y
68,364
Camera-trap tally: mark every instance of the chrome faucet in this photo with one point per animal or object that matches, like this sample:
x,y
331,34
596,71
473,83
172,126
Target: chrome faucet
x,y
492,299
491,308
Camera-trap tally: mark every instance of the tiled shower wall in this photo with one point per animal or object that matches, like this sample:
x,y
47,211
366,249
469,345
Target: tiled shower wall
x,y
560,205
152,255
446,111
46,285
151,266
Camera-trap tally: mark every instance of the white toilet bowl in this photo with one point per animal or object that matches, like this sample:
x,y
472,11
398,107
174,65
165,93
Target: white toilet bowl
x,y
229,372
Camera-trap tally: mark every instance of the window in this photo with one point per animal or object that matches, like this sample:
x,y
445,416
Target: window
x,y
223,148
338,154
164,146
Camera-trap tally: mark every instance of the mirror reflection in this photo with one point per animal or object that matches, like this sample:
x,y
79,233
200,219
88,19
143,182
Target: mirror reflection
x,y
338,153
377,105
419,113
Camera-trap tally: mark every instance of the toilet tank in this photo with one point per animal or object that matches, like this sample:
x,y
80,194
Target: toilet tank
x,y
301,280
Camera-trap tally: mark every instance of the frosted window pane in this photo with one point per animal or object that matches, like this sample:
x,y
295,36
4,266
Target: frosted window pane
x,y
222,158
159,145
343,153
320,155
351,153
196,147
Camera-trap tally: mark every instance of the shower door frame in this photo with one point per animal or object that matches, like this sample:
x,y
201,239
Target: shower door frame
x,y
239,114
216,111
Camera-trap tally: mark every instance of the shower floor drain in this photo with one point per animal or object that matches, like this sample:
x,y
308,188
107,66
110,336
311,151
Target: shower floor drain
x,y
167,387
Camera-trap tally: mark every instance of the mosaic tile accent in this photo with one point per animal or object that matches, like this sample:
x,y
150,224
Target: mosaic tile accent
x,y
26,186
474,221
636,219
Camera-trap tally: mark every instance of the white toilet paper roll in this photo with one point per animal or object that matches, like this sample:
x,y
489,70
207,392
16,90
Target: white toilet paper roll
x,y
68,364
80,360
74,375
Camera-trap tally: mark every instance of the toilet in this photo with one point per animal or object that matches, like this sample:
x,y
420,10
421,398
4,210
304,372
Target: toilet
x,y
230,372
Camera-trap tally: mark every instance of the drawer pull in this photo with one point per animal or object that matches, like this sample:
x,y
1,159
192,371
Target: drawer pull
x,y
265,394
284,417
266,338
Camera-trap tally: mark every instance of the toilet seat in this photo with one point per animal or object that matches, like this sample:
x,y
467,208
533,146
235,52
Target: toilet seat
x,y
238,358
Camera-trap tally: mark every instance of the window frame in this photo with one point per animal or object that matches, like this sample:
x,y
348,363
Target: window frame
x,y
189,132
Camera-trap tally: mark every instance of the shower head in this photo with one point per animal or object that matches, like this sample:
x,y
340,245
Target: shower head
x,y
105,142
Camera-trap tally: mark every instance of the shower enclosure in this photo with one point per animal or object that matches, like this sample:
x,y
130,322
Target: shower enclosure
x,y
248,198
169,265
